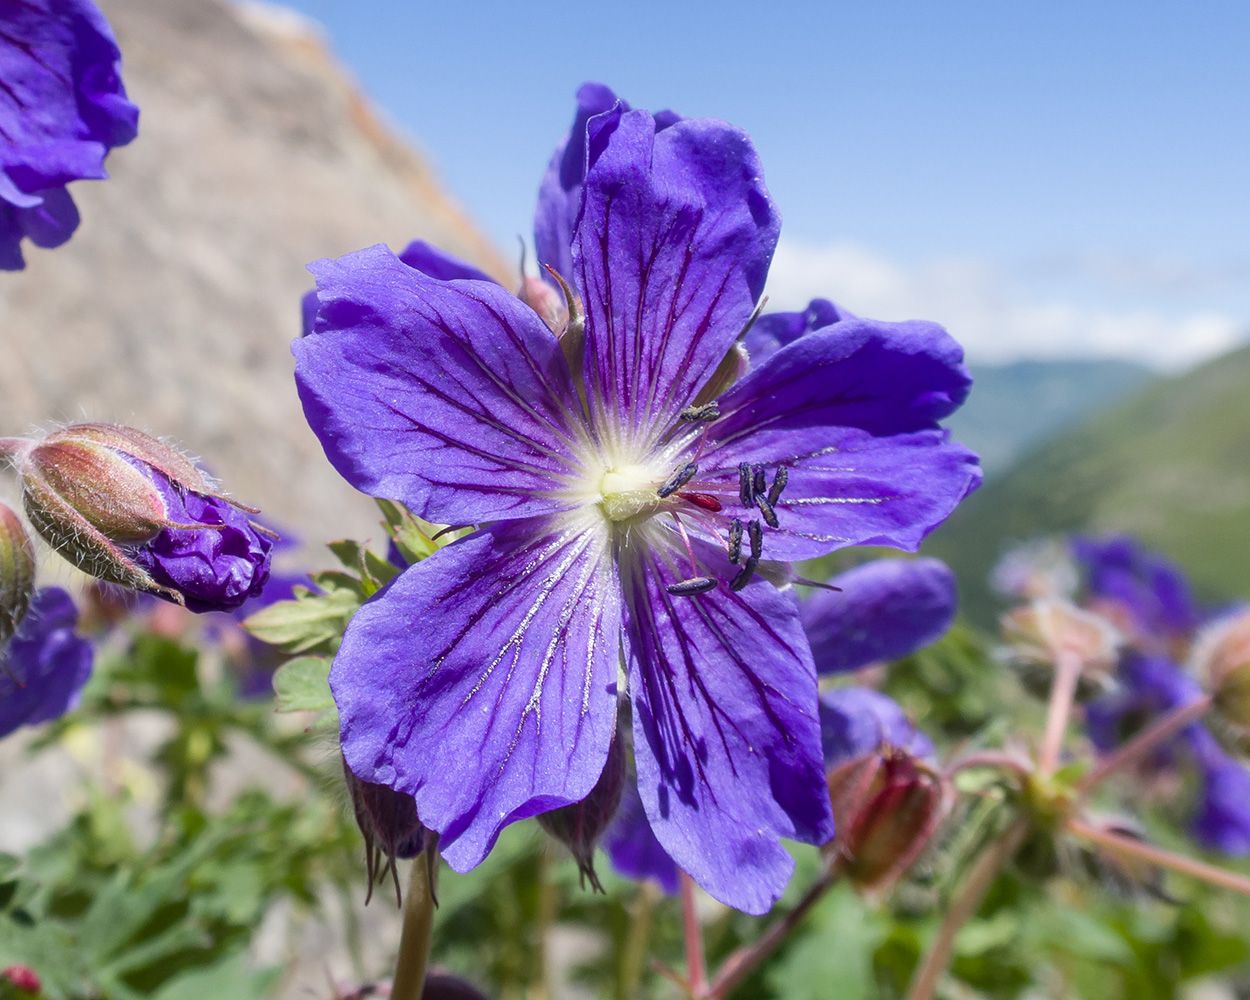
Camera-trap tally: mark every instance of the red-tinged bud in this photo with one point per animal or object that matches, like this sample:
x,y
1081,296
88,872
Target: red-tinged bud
x,y
546,301
389,823
1039,634
886,808
17,573
108,497
1222,656
580,825
22,979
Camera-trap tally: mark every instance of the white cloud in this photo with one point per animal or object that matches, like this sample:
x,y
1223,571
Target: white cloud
x,y
994,313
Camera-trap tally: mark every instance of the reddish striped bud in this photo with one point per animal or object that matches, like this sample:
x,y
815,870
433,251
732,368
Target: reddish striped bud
x,y
21,979
17,572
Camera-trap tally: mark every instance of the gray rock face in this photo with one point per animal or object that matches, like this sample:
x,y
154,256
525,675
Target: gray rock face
x,y
173,305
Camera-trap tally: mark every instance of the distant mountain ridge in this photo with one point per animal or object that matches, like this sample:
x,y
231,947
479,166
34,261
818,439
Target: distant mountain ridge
x,y
1170,464
1014,407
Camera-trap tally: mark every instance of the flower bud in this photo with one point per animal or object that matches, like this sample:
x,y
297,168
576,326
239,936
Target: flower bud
x,y
442,986
1222,656
886,807
389,823
1040,633
130,510
546,301
580,825
22,979
17,572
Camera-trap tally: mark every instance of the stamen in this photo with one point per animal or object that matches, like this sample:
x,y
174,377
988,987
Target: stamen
x,y
744,485
678,479
758,481
779,483
744,574
695,585
704,500
757,539
766,509
735,541
699,414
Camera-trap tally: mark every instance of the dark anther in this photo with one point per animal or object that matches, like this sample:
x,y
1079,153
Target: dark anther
x,y
766,509
744,485
702,414
758,482
779,483
695,585
757,539
678,479
744,574
735,540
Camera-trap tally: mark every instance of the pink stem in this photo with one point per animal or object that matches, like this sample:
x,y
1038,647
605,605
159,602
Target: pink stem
x,y
1062,691
1158,732
990,758
696,964
1120,844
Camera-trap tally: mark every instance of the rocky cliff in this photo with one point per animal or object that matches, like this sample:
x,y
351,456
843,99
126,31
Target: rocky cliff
x,y
173,305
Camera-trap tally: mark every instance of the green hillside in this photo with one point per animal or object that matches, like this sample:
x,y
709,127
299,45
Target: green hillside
x,y
1170,464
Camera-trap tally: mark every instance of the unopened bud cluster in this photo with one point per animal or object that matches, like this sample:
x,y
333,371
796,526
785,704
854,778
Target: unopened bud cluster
x,y
580,825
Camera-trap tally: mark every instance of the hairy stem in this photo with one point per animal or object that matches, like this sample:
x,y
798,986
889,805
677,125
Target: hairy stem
x,y
1118,843
1062,691
414,941
696,964
742,962
1158,732
968,900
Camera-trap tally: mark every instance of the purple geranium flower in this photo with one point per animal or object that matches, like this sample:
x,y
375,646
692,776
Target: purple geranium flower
x,y
771,333
1152,595
62,108
628,495
44,666
882,610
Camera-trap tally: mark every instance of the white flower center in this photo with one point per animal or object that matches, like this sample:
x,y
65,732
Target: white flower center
x,y
627,492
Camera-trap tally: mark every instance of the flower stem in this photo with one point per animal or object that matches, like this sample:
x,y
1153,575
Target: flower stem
x,y
991,758
1062,691
696,964
1159,731
742,962
414,941
634,955
980,877
1120,844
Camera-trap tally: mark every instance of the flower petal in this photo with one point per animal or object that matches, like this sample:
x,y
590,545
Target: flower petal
x,y
858,720
772,331
670,254
482,681
44,665
632,847
883,610
851,410
1222,822
726,737
560,195
449,396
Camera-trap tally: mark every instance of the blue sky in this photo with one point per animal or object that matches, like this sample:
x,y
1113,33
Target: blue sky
x,y
1058,178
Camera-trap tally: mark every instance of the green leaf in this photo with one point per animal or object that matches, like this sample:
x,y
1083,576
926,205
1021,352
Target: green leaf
x,y
412,536
841,937
302,686
230,977
310,623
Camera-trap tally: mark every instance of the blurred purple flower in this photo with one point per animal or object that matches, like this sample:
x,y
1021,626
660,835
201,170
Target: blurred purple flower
x,y
883,610
626,503
44,666
857,720
1152,595
632,847
1150,686
62,108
